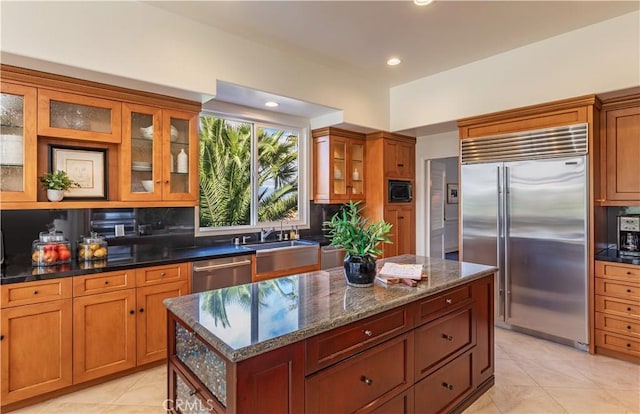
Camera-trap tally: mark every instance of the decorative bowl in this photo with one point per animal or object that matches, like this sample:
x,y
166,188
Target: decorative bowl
x,y
147,185
147,132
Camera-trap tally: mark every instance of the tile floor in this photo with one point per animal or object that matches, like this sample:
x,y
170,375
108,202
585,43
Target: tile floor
x,y
532,376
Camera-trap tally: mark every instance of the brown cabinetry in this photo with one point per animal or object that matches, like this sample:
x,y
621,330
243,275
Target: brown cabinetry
x,y
18,181
431,355
339,166
403,230
617,306
396,154
35,339
140,133
620,151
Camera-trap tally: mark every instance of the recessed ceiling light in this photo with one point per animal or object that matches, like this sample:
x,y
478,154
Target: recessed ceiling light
x,y
272,104
422,2
393,61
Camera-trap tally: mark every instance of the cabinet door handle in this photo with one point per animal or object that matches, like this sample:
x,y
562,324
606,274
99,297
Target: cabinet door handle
x,y
447,337
400,165
368,332
166,181
162,274
1,337
629,309
158,182
401,217
35,292
448,301
141,310
628,345
132,312
629,327
447,386
366,380
629,273
628,290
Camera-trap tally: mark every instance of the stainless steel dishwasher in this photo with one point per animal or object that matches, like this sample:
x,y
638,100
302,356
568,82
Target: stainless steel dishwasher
x,y
220,273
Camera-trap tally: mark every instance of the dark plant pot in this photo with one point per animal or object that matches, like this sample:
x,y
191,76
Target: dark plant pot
x,y
360,271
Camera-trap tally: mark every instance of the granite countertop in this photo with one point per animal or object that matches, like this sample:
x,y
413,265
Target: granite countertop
x,y
247,320
141,257
611,255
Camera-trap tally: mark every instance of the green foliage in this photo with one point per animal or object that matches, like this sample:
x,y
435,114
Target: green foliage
x,y
349,230
225,174
58,180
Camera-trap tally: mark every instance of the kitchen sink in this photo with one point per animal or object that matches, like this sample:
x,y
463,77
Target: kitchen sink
x,y
285,257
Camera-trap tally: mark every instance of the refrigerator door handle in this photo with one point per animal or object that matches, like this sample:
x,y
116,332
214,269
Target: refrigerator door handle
x,y
500,242
505,219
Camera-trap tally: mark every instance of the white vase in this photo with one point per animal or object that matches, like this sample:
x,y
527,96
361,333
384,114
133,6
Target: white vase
x,y
55,195
183,162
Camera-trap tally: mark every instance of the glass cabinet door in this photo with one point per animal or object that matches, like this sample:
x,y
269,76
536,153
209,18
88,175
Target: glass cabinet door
x,y
73,116
18,181
180,155
357,170
340,171
141,177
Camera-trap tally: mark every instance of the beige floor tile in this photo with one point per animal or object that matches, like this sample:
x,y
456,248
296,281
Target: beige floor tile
x,y
557,373
132,409
613,374
507,372
73,408
483,405
149,390
33,409
521,399
630,399
102,393
581,401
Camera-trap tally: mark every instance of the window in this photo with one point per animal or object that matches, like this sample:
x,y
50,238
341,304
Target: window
x,y
249,175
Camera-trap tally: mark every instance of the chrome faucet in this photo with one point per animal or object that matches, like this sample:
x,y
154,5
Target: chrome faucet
x,y
264,234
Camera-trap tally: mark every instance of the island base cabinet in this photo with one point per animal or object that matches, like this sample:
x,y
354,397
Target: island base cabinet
x,y
364,381
35,346
104,334
443,389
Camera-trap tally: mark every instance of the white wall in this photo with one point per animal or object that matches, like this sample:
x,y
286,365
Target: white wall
x,y
138,42
450,210
599,58
429,147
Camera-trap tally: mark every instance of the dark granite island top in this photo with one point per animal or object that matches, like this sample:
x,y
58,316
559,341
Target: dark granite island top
x,y
297,307
308,343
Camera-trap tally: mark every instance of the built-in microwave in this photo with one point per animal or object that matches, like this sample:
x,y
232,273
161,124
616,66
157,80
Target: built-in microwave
x,y
400,191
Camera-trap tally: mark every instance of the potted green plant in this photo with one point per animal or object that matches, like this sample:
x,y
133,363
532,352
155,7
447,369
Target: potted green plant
x,y
360,239
56,183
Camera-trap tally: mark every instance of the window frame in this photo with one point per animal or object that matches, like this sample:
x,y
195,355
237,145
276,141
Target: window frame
x,y
304,165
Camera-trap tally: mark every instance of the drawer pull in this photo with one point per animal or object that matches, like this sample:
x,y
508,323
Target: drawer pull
x,y
629,327
366,380
629,273
628,290
628,345
35,292
106,282
629,309
448,301
447,337
162,274
192,392
447,386
132,312
368,333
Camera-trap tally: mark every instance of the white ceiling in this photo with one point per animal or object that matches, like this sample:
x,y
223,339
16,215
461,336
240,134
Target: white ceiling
x,y
361,35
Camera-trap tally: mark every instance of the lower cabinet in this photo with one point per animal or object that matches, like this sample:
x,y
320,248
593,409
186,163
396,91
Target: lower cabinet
x,y
104,334
403,232
430,356
35,349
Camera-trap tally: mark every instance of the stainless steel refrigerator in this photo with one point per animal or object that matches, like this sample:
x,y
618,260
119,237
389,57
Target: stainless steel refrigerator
x,y
524,209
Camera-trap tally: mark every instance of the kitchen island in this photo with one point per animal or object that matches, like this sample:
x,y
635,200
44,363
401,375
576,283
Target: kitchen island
x,y
310,343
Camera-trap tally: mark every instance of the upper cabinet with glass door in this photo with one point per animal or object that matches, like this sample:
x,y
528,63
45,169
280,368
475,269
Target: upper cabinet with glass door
x,y
159,154
18,181
67,115
339,166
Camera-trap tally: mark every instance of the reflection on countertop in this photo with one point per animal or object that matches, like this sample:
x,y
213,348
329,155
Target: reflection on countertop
x,y
612,255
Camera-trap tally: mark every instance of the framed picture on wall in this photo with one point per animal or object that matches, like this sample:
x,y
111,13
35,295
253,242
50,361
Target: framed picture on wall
x,y
86,166
452,193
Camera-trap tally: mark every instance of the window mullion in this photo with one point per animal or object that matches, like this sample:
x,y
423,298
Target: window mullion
x,y
254,175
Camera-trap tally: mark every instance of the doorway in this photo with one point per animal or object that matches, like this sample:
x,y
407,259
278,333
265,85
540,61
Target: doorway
x,y
442,205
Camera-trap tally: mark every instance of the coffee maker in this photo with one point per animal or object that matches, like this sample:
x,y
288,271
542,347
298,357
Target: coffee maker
x,y
629,235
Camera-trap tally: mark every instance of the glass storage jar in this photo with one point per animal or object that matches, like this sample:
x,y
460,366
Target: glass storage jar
x,y
92,247
52,248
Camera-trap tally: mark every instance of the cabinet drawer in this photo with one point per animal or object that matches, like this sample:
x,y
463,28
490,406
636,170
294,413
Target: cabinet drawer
x,y
102,282
441,339
400,404
35,292
607,287
618,325
443,303
187,396
330,347
162,274
360,381
618,271
615,306
620,343
445,387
